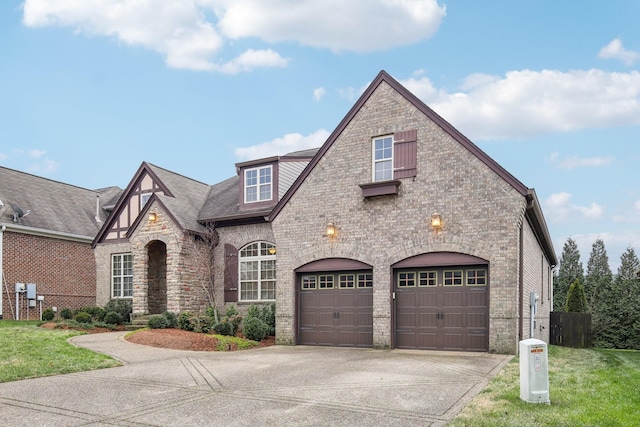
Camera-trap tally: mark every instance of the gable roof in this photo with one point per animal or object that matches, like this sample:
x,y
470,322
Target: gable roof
x,y
182,198
55,206
541,229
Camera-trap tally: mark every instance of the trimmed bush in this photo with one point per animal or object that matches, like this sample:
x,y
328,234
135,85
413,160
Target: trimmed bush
x,y
224,327
97,313
82,317
231,311
184,321
202,324
576,300
157,321
48,314
266,313
171,318
66,313
113,318
254,329
122,306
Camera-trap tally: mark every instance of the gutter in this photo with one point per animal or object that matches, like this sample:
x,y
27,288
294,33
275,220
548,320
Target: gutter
x,y
47,233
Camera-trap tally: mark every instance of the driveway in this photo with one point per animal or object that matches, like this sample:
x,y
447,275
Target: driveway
x,y
271,386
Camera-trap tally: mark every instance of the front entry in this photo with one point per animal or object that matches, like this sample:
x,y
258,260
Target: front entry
x,y
157,277
442,308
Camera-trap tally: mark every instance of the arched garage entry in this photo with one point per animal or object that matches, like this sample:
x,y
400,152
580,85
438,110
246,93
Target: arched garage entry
x,y
335,303
441,302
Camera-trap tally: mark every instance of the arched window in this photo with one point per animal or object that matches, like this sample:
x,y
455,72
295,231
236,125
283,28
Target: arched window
x,y
258,272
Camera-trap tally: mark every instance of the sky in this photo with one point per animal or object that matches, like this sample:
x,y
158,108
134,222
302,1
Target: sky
x,y
89,89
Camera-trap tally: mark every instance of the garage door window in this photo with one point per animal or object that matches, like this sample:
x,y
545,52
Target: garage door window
x,y
347,281
309,282
427,278
365,280
257,272
407,279
325,281
453,278
476,277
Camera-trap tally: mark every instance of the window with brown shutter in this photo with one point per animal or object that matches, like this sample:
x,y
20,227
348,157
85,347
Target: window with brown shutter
x,y
230,273
405,154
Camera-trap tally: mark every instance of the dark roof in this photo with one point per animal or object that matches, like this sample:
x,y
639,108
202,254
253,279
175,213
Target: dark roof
x,y
54,206
223,203
383,76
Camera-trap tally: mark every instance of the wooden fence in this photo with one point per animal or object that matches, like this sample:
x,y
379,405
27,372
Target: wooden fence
x,y
571,330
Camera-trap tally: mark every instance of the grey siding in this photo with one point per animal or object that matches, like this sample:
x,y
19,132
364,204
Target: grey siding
x,y
288,171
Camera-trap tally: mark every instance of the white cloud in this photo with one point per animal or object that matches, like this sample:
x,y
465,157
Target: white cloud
x,y
636,205
558,208
190,34
319,93
528,103
615,50
283,145
3,156
36,154
44,167
575,162
338,25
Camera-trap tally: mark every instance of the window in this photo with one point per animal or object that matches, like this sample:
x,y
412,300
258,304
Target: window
x,y
309,282
325,282
257,184
382,158
406,279
427,278
365,280
257,272
476,277
144,198
346,281
121,276
453,278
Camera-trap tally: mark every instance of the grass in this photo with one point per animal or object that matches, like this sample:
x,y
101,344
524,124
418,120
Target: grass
x,y
28,351
225,341
593,387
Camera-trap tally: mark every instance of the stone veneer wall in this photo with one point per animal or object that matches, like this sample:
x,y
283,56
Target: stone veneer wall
x,y
238,236
481,212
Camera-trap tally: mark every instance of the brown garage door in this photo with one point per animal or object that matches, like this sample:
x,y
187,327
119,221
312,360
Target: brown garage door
x,y
336,308
442,308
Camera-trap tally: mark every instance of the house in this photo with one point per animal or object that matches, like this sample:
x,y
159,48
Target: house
x,y
398,232
46,231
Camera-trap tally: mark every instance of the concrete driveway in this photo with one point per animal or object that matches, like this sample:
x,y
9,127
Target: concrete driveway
x,y
271,386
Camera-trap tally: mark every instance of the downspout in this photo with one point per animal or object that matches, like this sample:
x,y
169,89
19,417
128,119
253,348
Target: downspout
x,y
521,283
4,227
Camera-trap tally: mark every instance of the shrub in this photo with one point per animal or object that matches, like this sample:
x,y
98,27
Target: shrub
x,y
82,317
122,306
48,314
184,321
113,318
576,300
224,327
231,311
202,324
157,321
254,329
97,313
266,313
66,313
171,318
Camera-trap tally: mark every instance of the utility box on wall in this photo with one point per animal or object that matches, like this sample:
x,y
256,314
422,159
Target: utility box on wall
x,y
534,371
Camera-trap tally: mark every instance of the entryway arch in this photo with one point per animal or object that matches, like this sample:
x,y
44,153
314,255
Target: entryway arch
x,y
157,277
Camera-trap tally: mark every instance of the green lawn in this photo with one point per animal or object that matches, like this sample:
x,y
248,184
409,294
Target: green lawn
x,y
594,387
28,351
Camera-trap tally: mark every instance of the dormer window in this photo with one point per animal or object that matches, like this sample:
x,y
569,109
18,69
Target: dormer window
x,y
258,184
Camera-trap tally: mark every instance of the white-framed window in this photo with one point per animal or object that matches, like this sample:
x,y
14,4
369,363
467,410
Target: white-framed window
x,y
121,275
144,198
382,158
258,184
257,272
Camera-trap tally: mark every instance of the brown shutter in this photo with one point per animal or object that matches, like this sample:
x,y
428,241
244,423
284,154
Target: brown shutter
x,y
230,273
405,153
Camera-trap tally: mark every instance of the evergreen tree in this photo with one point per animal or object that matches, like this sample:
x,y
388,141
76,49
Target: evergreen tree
x,y
570,270
599,274
576,301
627,287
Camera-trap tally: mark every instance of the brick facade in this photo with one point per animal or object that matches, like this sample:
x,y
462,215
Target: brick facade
x,y
63,271
481,211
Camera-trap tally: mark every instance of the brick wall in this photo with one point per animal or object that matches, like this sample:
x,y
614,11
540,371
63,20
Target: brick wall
x,y
64,272
481,212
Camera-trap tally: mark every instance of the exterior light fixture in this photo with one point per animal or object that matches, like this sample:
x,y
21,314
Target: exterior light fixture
x,y
153,217
331,230
436,222
272,250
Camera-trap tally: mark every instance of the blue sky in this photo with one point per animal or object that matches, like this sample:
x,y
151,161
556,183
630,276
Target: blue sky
x,y
551,90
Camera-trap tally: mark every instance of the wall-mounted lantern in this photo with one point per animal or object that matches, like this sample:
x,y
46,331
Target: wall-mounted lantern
x,y
436,222
153,216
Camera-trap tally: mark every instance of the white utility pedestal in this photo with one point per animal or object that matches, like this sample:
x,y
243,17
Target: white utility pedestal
x,y
534,371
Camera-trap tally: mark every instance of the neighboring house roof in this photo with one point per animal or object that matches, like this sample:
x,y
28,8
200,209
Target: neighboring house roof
x,y
54,206
534,214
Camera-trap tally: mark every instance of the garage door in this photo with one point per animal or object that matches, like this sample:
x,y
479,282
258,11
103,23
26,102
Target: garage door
x,y
335,308
442,308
